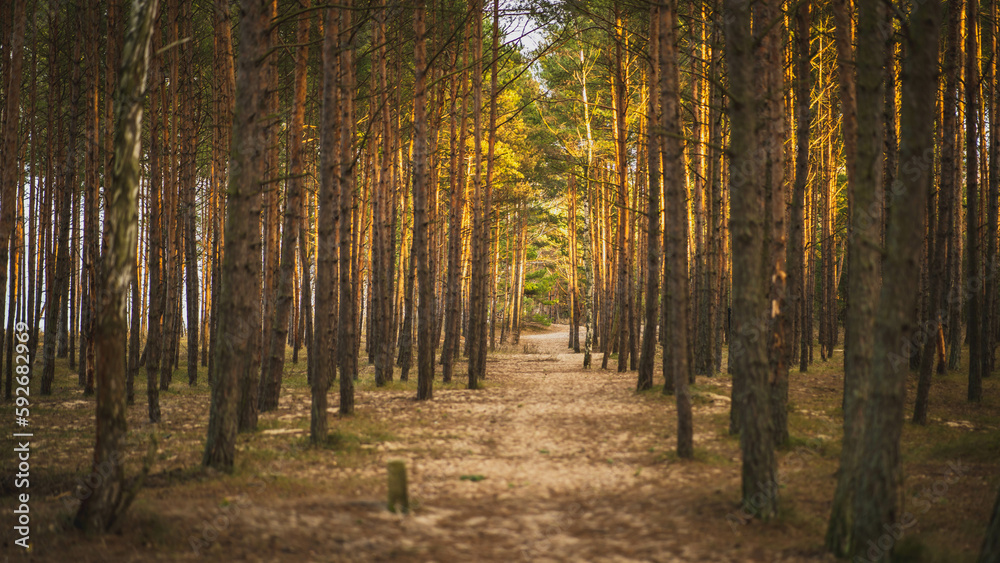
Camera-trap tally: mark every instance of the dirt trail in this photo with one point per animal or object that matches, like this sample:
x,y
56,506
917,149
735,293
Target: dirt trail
x,y
550,463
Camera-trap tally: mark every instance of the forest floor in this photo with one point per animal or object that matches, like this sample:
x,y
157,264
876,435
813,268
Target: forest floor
x,y
549,462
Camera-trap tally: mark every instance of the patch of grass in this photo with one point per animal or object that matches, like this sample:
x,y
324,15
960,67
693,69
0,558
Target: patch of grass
x,y
366,382
912,549
970,446
473,478
352,441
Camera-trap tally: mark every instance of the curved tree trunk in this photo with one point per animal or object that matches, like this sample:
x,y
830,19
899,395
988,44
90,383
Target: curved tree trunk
x,y
102,509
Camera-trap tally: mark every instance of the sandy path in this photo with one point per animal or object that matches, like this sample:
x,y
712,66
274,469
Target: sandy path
x,y
573,469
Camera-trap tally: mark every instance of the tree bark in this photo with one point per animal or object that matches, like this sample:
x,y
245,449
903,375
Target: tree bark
x,y
877,486
974,275
346,343
270,383
477,284
237,304
323,356
653,142
11,173
382,263
421,223
620,100
188,187
747,354
803,117
771,143
453,305
101,510
676,365
57,296
863,248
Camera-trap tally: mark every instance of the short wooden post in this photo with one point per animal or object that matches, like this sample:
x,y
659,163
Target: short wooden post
x,y
398,499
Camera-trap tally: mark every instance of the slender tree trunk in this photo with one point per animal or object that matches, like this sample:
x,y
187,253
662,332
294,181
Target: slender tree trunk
x,y
796,251
238,305
382,264
154,260
477,287
944,230
10,172
747,355
346,343
322,356
876,489
843,18
103,507
222,94
421,223
989,320
862,277
91,189
653,143
453,306
676,366
619,100
270,195
188,188
771,143
973,272
66,184
270,384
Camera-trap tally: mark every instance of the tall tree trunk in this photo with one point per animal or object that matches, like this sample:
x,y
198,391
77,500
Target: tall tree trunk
x,y
223,87
154,344
973,274
188,187
676,366
10,172
66,185
989,320
477,284
843,18
453,305
653,143
270,383
701,319
270,194
619,101
102,509
322,355
382,264
796,251
944,230
238,305
717,219
346,343
91,190
876,489
862,279
747,355
771,140
421,223
574,268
